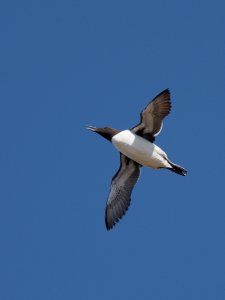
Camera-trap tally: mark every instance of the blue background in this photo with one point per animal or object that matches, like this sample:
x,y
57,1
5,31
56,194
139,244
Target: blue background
x,y
67,64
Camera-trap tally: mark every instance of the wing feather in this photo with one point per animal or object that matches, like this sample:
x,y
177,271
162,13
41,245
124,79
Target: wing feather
x,y
120,192
152,116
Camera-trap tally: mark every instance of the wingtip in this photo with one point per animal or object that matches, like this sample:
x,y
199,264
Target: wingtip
x,y
108,224
108,227
167,90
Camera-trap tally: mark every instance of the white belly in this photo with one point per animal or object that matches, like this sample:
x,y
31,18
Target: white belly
x,y
140,150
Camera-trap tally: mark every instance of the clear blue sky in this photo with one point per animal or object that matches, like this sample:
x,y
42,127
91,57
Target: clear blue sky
x,y
67,64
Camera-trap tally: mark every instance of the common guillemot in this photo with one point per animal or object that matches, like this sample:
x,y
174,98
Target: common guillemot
x,y
136,149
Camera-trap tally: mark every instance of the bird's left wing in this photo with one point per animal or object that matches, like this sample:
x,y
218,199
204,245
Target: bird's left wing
x,y
120,192
152,116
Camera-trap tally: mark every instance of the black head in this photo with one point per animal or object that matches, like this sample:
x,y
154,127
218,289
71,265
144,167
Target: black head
x,y
106,132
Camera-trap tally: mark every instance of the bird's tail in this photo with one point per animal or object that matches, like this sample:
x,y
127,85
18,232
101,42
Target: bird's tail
x,y
177,169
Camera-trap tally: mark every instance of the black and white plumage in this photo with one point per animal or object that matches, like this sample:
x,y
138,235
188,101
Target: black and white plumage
x,y
136,149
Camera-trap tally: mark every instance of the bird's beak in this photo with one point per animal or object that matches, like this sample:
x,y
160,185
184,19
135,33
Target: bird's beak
x,y
92,128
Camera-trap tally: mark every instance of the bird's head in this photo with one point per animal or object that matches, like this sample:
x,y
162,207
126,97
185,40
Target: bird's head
x,y
106,132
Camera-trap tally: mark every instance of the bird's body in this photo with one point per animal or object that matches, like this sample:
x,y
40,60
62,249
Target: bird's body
x,y
136,149
140,150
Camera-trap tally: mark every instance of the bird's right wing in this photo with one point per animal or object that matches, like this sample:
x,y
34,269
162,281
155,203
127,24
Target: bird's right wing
x,y
120,192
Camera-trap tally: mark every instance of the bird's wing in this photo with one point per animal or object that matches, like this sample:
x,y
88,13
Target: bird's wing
x,y
120,192
152,116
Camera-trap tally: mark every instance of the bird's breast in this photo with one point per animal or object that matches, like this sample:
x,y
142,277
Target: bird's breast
x,y
140,150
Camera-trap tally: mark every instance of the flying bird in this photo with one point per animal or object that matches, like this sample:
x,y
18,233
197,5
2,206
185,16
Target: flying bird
x,y
137,149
